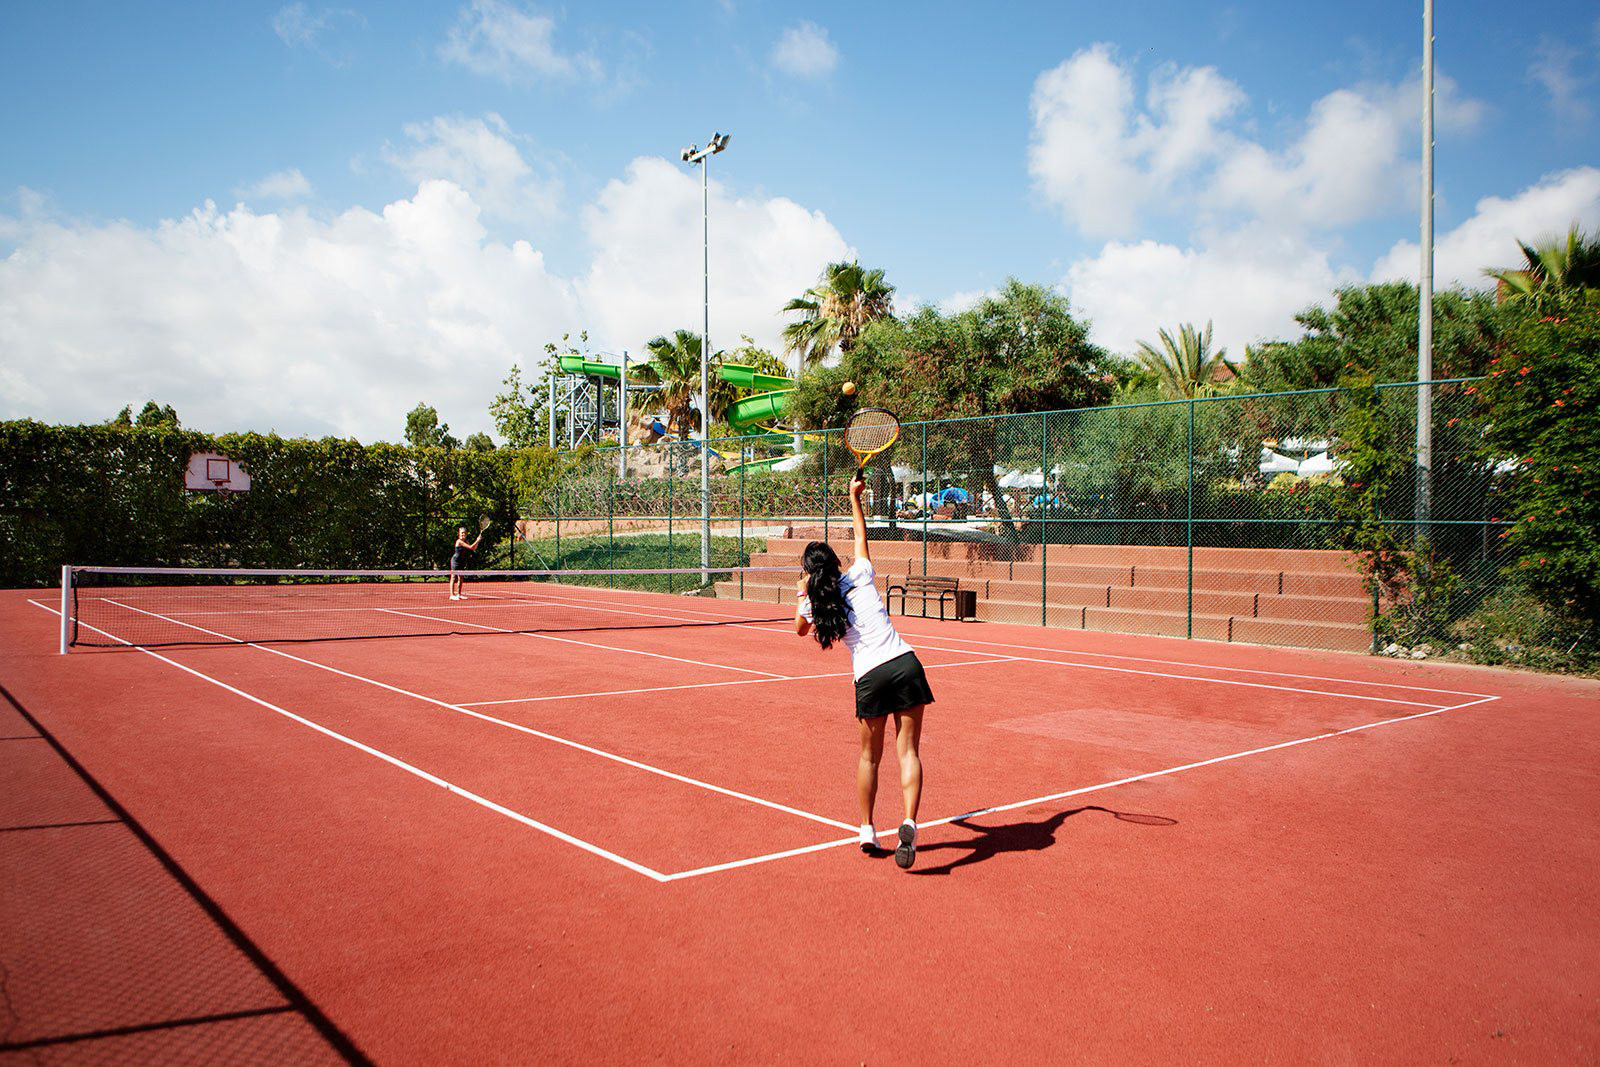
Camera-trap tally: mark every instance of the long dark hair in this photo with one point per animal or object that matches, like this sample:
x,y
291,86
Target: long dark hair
x,y
830,617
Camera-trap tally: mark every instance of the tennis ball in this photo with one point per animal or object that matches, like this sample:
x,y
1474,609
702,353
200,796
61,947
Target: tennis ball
x,y
848,389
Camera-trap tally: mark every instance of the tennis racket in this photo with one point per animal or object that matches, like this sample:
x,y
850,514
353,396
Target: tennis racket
x,y
869,432
484,522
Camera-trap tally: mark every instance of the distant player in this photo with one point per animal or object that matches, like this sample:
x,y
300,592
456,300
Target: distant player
x,y
459,560
889,677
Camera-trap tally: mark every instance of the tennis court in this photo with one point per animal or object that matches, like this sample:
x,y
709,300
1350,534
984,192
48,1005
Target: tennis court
x,y
585,824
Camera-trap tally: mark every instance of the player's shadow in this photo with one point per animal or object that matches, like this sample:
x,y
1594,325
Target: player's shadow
x,y
1015,837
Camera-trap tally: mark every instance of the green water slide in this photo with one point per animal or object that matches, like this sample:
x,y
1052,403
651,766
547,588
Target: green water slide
x,y
763,407
579,365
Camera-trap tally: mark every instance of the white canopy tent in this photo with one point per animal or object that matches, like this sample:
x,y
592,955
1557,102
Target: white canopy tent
x,y
1274,463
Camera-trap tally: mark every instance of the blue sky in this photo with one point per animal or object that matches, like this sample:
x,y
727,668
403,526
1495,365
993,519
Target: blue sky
x,y
309,217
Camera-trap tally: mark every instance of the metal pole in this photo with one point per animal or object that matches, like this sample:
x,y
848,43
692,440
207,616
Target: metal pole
x,y
1189,523
705,372
1424,506
66,607
622,420
552,411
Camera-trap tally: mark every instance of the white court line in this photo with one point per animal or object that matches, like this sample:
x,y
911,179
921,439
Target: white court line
x,y
1207,762
1157,674
512,725
574,641
395,761
768,858
696,685
1204,666
822,846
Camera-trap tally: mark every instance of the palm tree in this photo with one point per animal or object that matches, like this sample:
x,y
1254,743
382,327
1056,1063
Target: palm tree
x,y
676,361
835,311
1186,367
1553,267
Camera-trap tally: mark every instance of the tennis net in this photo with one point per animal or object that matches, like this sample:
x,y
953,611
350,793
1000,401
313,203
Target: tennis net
x,y
155,606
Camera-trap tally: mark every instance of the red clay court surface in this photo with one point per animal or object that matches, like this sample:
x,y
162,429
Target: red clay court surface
x,y
622,845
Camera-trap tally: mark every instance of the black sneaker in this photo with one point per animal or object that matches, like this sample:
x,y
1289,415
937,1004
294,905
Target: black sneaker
x,y
906,854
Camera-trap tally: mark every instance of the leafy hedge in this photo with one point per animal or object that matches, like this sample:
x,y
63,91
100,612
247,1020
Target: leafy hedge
x,y
113,496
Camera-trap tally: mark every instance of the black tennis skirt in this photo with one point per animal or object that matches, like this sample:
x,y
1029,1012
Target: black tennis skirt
x,y
892,686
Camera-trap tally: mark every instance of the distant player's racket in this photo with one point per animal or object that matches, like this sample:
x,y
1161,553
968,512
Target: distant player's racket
x,y
484,522
870,432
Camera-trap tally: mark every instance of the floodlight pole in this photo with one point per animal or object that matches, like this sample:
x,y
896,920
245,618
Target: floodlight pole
x,y
693,155
1424,500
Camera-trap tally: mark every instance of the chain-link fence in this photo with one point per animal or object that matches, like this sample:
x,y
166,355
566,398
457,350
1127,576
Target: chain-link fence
x,y
1228,518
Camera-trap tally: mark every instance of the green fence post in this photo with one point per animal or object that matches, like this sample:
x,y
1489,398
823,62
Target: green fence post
x,y
1189,521
744,461
611,527
926,510
1044,519
825,445
670,481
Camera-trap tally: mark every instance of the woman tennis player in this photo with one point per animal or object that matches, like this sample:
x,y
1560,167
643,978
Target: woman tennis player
x,y
458,560
889,677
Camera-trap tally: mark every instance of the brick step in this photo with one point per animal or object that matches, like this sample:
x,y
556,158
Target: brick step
x,y
1332,625
1064,592
1351,609
1295,633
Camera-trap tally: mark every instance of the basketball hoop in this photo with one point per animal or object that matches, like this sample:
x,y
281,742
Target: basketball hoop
x,y
212,472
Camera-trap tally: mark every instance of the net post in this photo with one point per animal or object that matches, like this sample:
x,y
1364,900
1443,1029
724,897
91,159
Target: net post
x,y
66,607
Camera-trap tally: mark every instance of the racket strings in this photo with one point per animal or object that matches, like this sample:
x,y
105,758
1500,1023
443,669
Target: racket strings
x,y
871,431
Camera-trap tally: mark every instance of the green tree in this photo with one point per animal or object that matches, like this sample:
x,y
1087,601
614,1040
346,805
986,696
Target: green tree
x,y
424,430
835,311
1374,328
1185,367
1541,407
521,412
478,442
150,416
676,366
1018,351
1554,269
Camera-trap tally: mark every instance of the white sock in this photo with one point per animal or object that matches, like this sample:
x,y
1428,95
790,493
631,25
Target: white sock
x,y
869,836
913,824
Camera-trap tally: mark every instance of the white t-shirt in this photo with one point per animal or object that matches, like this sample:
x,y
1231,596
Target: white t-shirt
x,y
871,637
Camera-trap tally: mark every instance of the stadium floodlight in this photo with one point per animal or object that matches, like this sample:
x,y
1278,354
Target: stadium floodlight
x,y
693,155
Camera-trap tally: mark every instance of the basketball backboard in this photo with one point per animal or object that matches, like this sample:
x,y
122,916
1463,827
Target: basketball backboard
x,y
209,470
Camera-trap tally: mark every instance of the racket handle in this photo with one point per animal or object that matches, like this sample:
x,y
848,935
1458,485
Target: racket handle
x,y
861,475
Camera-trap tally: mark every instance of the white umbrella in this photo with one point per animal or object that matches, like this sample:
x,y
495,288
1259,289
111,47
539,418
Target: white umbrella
x,y
1019,480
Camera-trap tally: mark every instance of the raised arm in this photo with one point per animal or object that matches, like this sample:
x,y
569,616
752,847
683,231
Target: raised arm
x,y
858,517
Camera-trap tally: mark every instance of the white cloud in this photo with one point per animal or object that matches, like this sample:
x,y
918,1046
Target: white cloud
x,y
1250,284
281,185
646,275
300,27
313,325
1489,238
1553,70
1105,161
481,156
804,51
499,40
274,321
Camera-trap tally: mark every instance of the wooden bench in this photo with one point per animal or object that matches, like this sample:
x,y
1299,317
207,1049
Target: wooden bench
x,y
931,587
